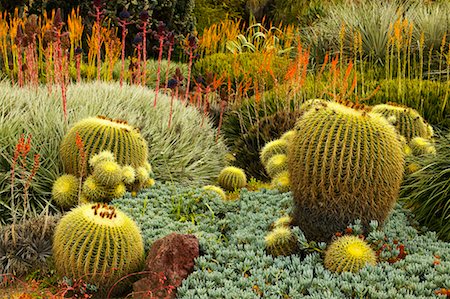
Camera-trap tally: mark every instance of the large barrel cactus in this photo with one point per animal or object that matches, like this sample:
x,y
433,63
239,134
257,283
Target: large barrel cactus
x,y
98,243
103,134
344,164
408,121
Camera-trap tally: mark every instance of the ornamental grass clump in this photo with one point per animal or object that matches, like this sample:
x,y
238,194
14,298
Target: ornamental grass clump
x,y
344,164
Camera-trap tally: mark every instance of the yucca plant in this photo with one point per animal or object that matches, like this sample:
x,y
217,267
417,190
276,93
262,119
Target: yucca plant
x,y
427,190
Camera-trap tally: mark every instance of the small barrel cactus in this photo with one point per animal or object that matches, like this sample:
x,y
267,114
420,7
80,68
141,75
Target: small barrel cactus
x,y
275,147
103,134
128,174
284,221
96,192
281,241
281,182
276,165
108,173
344,164
98,243
408,121
65,191
349,254
231,178
216,190
101,157
421,146
288,135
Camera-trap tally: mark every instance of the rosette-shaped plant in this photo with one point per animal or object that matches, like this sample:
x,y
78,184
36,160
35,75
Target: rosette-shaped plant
x,y
98,243
344,164
231,178
408,121
349,254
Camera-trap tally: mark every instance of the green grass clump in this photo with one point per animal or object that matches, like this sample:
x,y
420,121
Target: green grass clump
x,y
427,190
234,259
186,152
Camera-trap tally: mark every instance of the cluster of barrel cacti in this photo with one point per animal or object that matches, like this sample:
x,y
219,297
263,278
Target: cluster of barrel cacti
x,y
274,158
102,158
281,241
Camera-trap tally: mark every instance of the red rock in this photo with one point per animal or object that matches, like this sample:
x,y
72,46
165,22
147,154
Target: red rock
x,y
169,262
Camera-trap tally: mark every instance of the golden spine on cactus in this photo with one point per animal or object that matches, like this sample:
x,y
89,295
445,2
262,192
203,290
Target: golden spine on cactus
x,y
96,192
216,190
231,178
102,134
65,191
128,174
276,165
407,121
284,221
281,241
101,157
108,173
421,146
349,254
98,243
272,148
344,164
282,182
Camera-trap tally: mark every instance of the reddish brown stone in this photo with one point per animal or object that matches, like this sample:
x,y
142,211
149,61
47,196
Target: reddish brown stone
x,y
169,262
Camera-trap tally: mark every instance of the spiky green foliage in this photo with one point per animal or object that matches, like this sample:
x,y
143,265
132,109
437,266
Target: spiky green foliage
x,y
100,134
349,254
234,260
282,182
98,243
27,245
272,148
186,152
231,178
427,190
344,164
422,146
281,241
276,165
65,191
216,190
407,120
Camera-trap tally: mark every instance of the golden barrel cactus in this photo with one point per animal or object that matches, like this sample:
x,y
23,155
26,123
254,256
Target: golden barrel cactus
x,y
344,164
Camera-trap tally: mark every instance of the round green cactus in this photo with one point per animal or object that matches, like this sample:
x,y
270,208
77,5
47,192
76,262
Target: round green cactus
x,y
288,135
276,165
275,147
142,174
349,254
284,221
98,243
344,164
65,191
281,241
217,190
281,182
96,192
128,174
101,157
408,121
231,178
103,134
421,146
108,173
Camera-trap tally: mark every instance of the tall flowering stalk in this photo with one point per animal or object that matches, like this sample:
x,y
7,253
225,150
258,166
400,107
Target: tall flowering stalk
x,y
123,22
191,46
137,42
144,16
31,31
174,84
170,42
160,35
78,55
80,145
98,17
20,40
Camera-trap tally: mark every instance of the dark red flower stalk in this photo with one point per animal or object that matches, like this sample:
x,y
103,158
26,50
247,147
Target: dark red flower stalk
x,y
190,48
20,42
137,42
78,56
223,104
160,35
170,41
144,16
123,22
98,17
174,83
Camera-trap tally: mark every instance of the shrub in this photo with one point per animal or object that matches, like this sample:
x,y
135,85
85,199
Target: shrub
x,y
186,152
427,190
341,171
234,263
98,243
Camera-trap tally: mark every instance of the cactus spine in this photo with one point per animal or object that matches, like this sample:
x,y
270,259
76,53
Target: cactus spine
x,y
100,134
231,178
349,254
344,164
408,121
99,243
